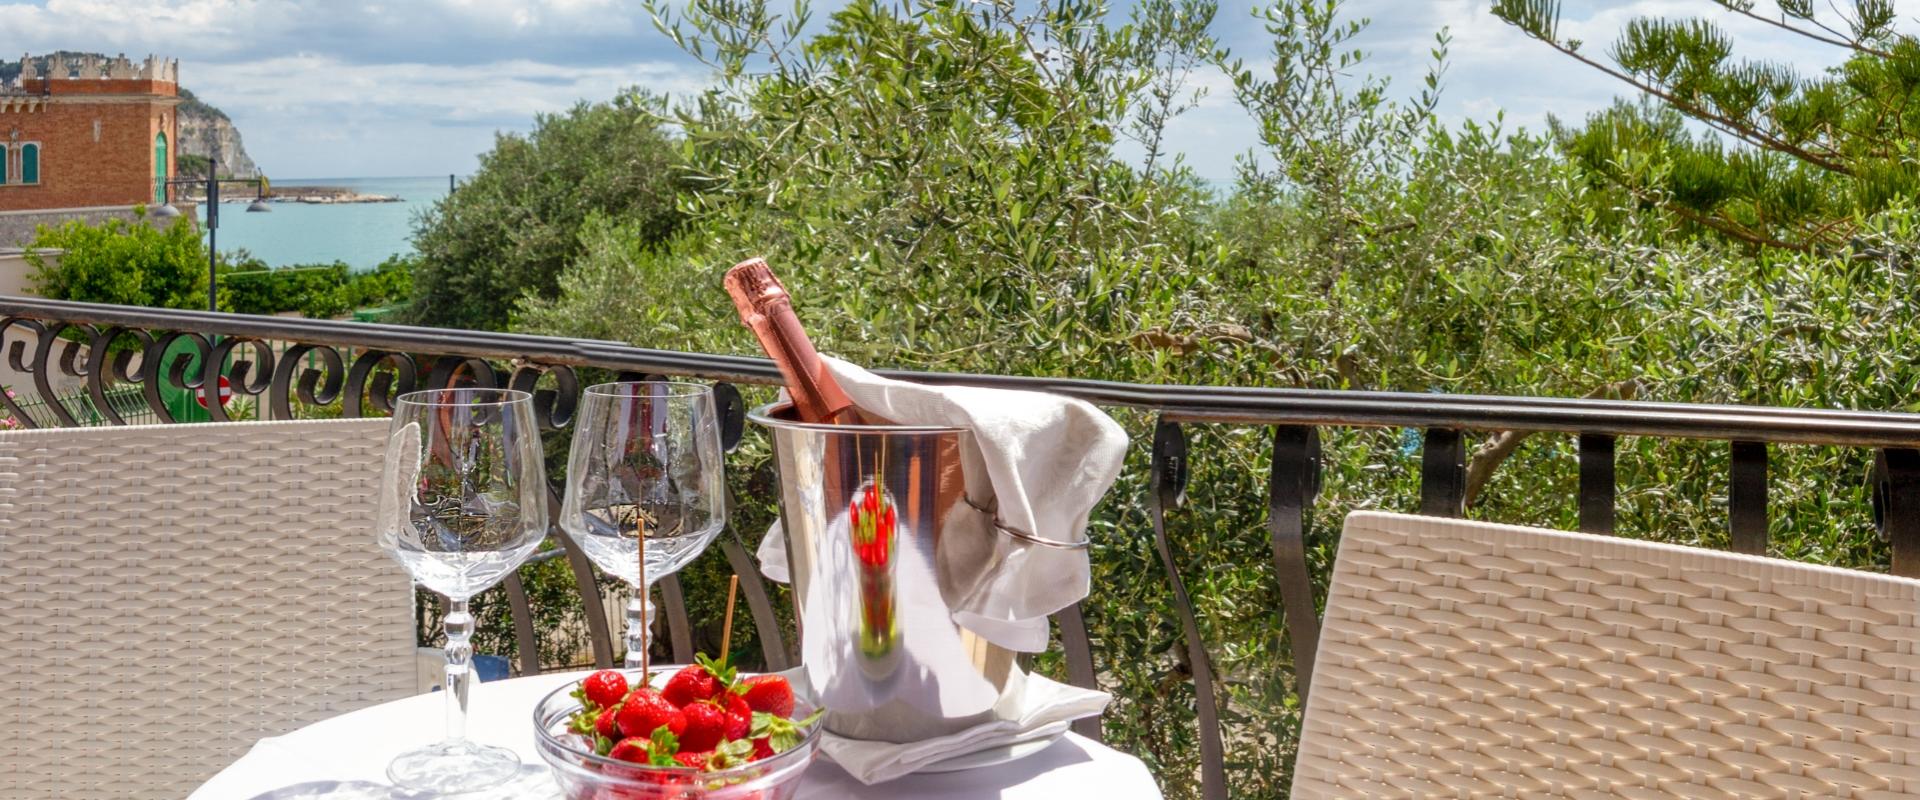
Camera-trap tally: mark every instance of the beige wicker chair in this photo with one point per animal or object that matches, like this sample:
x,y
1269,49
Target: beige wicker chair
x,y
170,594
1465,659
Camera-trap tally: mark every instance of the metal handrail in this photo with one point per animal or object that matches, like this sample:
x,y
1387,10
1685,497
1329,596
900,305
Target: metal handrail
x,y
1241,405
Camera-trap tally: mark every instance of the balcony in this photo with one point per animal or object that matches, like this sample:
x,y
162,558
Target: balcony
x,y
75,363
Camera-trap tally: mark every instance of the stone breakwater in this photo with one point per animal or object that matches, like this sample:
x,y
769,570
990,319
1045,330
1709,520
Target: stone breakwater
x,y
311,195
351,197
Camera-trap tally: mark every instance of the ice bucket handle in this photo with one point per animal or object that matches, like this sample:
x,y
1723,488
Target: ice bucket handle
x,y
1023,536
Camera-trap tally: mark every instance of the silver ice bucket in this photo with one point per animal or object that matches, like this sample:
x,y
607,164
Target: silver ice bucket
x,y
864,509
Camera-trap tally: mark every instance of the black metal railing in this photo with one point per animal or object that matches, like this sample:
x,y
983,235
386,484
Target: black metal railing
x,y
283,362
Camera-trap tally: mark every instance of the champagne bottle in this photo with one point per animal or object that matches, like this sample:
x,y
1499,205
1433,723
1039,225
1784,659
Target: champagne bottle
x,y
766,308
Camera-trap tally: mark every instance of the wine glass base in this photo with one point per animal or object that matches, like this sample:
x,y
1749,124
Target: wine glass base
x,y
453,768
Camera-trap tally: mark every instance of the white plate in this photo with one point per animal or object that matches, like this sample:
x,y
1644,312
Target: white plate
x,y
992,756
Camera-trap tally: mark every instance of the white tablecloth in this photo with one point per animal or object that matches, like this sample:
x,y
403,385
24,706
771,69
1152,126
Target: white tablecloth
x,y
346,757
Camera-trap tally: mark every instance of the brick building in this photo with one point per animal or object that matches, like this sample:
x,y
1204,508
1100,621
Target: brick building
x,y
87,133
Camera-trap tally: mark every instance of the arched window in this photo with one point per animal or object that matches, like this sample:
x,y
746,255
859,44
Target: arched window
x,y
4,160
159,169
30,163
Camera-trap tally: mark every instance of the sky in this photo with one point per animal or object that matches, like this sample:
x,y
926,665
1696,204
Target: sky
x,y
352,88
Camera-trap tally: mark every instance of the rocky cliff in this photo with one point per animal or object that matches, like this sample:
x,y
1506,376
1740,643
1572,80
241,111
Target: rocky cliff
x,y
202,127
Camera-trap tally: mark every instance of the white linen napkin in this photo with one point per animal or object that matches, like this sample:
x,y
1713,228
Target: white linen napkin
x,y
1047,709
1035,463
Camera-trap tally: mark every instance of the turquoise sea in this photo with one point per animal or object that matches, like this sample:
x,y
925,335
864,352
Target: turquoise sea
x,y
361,234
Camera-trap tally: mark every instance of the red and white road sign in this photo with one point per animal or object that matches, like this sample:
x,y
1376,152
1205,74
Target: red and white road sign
x,y
226,394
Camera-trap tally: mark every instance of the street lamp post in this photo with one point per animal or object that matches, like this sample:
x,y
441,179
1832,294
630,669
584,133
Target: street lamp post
x,y
210,186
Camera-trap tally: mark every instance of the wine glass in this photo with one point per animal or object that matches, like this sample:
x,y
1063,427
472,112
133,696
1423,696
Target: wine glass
x,y
645,466
462,504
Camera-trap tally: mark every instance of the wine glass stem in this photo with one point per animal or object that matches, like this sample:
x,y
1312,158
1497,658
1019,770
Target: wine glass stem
x,y
459,627
639,622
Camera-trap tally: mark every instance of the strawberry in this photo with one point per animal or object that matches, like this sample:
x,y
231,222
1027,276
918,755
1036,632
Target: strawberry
x,y
871,518
656,750
633,748
762,748
691,684
604,724
694,760
605,688
646,711
706,726
770,694
739,715
698,681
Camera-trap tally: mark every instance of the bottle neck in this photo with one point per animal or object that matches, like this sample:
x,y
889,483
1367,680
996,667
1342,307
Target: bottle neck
x,y
766,309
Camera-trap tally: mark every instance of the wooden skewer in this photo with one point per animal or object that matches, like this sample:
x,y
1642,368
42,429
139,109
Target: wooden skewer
x,y
726,630
646,631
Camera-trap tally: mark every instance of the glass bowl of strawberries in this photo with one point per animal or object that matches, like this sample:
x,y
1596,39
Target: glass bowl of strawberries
x,y
707,734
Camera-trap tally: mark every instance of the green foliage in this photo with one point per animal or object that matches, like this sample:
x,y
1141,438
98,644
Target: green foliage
x,y
255,288
132,263
510,230
189,165
387,284
1337,146
1809,156
117,261
909,148
320,291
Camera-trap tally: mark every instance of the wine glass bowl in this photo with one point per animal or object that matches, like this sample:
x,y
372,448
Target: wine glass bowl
x,y
462,505
464,502
645,486
614,546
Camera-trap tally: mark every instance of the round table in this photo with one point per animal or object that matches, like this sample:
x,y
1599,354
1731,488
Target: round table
x,y
346,757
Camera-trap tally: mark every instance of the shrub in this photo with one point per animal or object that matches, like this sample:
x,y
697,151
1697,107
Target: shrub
x,y
1812,154
117,261
389,283
511,228
319,291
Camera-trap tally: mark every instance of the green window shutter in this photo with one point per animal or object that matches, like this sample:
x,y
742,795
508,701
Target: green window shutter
x,y
30,163
3,164
160,170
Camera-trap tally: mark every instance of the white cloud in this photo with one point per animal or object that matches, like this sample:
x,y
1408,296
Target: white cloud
x,y
315,116
449,31
215,25
514,90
